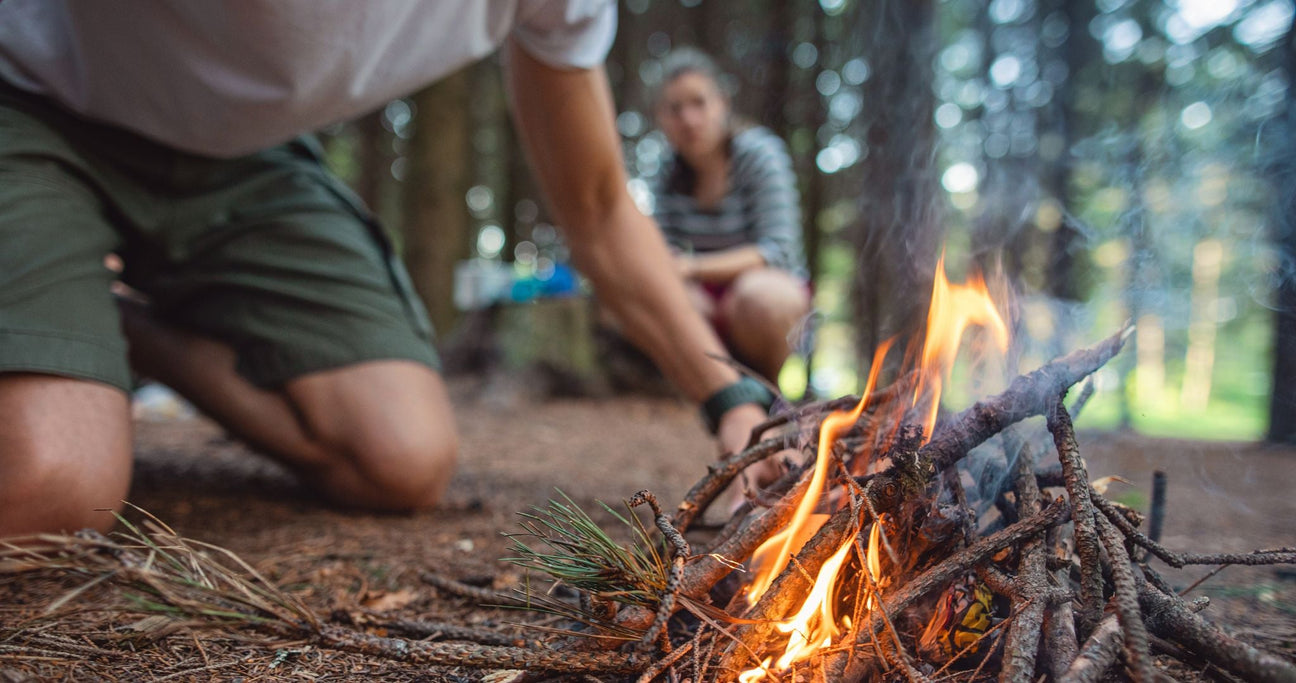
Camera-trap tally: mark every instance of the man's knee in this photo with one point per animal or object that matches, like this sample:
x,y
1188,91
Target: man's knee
x,y
48,496
390,468
382,434
65,454
403,469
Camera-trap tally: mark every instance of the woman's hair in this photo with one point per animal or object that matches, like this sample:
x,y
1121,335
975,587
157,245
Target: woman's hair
x,y
676,63
687,60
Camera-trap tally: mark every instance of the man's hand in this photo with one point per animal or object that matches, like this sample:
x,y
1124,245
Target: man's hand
x,y
736,427
733,434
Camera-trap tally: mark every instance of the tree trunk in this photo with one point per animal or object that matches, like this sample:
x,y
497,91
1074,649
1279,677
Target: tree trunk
x,y
1282,171
374,157
899,232
436,225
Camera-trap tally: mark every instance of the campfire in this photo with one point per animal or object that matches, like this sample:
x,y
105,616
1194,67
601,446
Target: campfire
x,y
901,543
879,555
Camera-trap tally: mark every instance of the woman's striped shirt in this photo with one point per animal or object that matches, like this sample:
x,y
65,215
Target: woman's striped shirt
x,y
761,206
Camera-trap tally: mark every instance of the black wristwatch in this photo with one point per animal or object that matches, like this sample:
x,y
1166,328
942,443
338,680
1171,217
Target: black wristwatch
x,y
745,390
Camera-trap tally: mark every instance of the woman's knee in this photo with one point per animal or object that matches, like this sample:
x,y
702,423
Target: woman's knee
x,y
766,299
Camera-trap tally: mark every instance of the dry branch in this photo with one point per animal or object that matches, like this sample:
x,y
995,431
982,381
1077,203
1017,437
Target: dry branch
x,y
1028,395
1086,530
1127,606
1031,587
1170,618
478,656
482,596
1098,654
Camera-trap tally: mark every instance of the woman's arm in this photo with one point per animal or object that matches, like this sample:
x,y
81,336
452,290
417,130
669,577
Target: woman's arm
x,y
720,267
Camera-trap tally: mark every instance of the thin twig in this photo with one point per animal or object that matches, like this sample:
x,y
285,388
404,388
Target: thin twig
x,y
679,551
1086,530
1203,579
719,474
1181,560
665,663
482,596
1137,653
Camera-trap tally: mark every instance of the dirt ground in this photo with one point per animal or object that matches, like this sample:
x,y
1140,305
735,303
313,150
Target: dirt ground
x,y
1222,497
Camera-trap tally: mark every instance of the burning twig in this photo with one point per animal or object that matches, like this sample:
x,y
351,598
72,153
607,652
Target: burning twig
x,y
1028,395
958,564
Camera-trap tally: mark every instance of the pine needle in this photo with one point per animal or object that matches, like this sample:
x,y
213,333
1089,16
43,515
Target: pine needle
x,y
561,540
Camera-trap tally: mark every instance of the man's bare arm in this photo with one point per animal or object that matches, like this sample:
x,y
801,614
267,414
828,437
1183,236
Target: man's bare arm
x,y
566,121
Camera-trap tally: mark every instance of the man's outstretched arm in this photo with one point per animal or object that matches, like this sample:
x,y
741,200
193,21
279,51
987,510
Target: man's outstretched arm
x,y
566,121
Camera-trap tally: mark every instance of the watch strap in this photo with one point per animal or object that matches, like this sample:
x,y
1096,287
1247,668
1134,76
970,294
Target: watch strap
x,y
745,390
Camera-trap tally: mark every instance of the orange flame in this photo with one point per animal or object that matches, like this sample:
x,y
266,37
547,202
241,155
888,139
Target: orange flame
x,y
953,309
791,539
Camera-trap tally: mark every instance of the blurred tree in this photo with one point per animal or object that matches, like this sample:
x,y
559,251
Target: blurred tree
x,y
899,231
436,224
1067,48
374,157
1282,174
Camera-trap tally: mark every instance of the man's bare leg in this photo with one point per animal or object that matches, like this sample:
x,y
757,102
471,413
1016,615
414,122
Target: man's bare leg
x,y
65,453
377,435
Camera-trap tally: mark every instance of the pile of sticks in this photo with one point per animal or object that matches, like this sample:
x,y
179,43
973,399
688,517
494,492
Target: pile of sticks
x,y
1089,607
1072,566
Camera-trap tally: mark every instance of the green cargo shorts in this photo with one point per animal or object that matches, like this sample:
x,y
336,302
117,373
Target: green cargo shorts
x,y
268,253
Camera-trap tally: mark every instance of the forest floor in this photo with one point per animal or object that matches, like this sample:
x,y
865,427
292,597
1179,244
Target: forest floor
x,y
1221,497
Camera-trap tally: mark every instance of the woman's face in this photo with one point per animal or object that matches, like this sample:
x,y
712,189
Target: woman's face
x,y
693,114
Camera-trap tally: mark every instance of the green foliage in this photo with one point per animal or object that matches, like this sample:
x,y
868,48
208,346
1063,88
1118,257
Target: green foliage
x,y
561,540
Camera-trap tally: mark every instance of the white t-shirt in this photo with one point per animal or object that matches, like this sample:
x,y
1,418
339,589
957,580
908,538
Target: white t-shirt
x,y
228,77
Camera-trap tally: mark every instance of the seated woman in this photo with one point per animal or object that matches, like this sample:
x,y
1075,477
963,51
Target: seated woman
x,y
727,201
